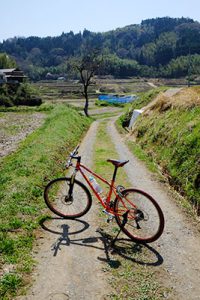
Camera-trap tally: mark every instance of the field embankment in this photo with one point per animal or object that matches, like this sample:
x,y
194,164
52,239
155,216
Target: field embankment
x,y
22,177
168,131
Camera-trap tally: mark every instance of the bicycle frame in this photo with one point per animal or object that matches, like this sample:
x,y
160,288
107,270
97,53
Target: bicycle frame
x,y
112,189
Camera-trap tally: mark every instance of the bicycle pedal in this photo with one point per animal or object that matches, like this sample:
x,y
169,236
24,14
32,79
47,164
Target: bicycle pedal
x,y
108,213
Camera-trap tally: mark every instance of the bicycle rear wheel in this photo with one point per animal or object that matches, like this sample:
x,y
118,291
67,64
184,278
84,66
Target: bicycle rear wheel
x,y
139,216
56,195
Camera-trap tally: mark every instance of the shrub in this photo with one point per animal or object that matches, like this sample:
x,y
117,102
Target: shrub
x,y
19,94
5,101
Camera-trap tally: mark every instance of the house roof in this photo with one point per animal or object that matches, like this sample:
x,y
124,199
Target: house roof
x,y
8,70
14,74
17,76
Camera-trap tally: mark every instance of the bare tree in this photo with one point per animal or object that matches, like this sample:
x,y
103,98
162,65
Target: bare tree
x,y
87,66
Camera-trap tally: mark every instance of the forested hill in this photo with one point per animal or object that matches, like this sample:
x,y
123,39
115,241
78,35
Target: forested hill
x,y
164,47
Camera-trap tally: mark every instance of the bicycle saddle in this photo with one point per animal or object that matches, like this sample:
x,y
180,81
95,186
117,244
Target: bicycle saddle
x,y
118,163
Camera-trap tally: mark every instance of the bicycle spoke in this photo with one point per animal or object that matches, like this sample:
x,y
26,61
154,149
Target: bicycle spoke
x,y
62,203
144,217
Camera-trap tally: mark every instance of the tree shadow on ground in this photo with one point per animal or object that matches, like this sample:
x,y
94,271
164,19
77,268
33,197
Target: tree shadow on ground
x,y
125,248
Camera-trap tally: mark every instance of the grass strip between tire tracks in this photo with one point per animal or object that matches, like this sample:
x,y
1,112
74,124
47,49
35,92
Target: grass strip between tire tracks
x,y
130,266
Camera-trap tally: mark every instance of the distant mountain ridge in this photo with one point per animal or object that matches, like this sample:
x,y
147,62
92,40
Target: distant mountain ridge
x,y
157,47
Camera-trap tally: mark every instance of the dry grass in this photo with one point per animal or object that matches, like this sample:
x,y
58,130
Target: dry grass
x,y
186,98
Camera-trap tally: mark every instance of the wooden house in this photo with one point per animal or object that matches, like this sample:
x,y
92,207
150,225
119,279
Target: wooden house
x,y
14,75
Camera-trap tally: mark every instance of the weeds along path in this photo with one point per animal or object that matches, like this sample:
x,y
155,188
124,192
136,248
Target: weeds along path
x,y
179,246
70,251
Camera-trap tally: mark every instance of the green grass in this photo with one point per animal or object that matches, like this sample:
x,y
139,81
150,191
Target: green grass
x,y
172,140
10,282
105,103
43,107
23,176
130,277
142,155
136,149
104,149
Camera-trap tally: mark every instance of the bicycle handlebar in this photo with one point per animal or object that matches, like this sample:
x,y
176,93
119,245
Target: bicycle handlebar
x,y
72,154
75,152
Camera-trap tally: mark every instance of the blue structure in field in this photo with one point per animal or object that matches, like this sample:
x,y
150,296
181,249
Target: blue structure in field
x,y
117,99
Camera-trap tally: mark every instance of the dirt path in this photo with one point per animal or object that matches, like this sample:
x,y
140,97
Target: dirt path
x,y
179,246
71,253
106,109
151,84
172,91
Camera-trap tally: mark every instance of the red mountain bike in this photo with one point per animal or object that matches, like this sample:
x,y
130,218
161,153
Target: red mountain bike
x,y
138,215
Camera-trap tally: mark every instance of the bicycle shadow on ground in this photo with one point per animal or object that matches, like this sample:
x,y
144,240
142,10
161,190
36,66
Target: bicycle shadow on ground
x,y
132,251
125,248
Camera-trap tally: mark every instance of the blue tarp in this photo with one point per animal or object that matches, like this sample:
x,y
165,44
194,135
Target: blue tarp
x,y
117,99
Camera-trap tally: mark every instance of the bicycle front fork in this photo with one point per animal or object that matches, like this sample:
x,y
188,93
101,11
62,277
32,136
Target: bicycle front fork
x,y
69,197
71,185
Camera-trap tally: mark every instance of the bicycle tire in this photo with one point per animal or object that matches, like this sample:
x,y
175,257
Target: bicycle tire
x,y
145,219
55,195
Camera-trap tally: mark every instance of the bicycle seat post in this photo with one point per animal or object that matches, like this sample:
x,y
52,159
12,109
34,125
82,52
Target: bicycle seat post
x,y
117,164
114,174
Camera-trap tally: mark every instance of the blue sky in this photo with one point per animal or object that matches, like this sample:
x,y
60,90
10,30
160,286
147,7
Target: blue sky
x,y
52,17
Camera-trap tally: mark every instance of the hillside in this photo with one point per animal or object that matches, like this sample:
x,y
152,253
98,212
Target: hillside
x,y
168,131
167,47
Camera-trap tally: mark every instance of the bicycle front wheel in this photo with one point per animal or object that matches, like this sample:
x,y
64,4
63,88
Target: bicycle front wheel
x,y
139,216
56,195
